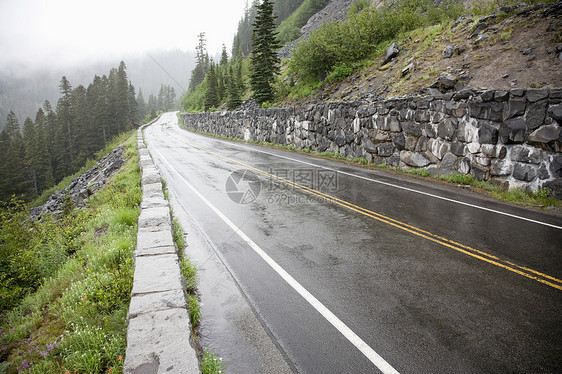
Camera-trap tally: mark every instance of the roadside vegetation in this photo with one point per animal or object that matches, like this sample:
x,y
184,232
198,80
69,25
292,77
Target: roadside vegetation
x,y
65,283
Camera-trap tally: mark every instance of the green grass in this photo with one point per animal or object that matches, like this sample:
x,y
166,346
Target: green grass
x,y
210,364
75,321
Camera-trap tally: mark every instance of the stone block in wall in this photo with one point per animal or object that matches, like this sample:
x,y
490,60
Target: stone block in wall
x,y
422,116
556,165
458,148
474,147
488,150
517,92
555,187
555,94
399,141
501,152
542,171
411,142
415,159
385,149
430,131
381,137
463,165
536,95
438,148
501,95
449,161
526,154
478,109
487,96
555,112
368,145
421,146
446,129
535,114
410,128
497,110
524,172
393,160
479,172
516,107
513,131
487,134
501,168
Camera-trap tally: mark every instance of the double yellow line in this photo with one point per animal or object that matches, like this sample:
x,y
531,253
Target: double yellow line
x,y
475,253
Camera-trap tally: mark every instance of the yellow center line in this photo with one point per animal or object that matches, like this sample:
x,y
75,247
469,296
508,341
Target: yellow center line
x,y
475,253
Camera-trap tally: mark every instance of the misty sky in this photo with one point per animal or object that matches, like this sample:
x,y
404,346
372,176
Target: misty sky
x,y
35,33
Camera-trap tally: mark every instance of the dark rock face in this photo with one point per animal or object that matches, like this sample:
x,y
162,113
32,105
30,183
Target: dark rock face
x,y
83,186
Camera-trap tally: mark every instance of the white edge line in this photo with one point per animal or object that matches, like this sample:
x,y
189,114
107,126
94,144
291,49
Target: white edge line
x,y
373,356
405,188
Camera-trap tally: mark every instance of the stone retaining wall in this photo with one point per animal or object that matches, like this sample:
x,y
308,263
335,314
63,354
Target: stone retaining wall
x,y
512,138
159,330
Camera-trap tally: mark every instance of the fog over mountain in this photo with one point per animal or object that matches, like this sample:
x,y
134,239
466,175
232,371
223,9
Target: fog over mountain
x,y
23,90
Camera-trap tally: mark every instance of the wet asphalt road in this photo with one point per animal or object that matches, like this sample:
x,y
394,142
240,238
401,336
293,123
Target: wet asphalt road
x,y
419,272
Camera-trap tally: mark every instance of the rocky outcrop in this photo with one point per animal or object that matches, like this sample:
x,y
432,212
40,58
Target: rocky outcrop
x,y
84,186
335,11
512,138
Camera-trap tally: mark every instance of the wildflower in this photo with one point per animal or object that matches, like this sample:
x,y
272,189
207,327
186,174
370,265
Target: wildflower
x,y
120,358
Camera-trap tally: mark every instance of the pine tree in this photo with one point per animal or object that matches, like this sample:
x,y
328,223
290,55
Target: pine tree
x,y
133,105
29,140
202,64
63,133
142,110
13,180
224,57
41,156
234,92
264,59
212,94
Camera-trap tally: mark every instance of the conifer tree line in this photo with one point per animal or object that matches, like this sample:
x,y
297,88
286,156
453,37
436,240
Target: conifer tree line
x,y
39,153
225,83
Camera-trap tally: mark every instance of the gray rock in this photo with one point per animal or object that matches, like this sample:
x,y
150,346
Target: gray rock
x,y
448,51
449,161
369,146
556,165
446,80
501,168
411,128
481,27
385,149
524,172
480,172
535,115
446,129
536,95
545,134
555,113
390,53
525,154
463,166
399,141
487,134
513,131
415,159
516,107
458,149
555,187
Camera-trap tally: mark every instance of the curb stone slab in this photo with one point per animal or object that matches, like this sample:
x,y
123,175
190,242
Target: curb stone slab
x,y
159,329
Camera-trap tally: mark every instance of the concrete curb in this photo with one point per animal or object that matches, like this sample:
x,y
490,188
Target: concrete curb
x,y
159,330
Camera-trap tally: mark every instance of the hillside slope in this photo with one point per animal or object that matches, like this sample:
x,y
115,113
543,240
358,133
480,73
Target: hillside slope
x,y
516,47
